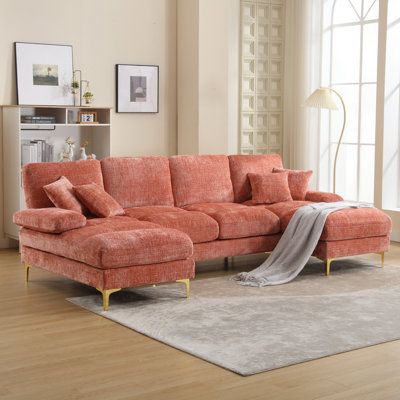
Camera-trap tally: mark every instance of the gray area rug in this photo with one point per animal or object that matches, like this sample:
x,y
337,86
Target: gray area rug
x,y
250,330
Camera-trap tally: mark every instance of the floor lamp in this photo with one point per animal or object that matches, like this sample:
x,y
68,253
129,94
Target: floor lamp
x,y
323,98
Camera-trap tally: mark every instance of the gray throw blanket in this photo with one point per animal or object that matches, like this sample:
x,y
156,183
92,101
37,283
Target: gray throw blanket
x,y
295,246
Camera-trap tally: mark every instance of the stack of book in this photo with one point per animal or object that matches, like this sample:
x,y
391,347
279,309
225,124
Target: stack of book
x,y
33,119
36,151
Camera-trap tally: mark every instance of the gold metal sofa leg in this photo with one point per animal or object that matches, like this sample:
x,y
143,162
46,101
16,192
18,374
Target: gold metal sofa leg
x,y
382,254
106,296
187,284
27,266
328,266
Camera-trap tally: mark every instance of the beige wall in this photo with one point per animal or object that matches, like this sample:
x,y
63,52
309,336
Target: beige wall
x,y
103,33
187,75
219,26
208,76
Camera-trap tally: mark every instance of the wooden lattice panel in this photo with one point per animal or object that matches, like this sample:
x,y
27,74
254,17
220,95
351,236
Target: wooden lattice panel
x,y
262,23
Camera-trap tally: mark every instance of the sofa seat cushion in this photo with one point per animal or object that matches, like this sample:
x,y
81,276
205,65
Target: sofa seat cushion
x,y
140,212
198,226
286,207
341,225
356,223
114,242
237,221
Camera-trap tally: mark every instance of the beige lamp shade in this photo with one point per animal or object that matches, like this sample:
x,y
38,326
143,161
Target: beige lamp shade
x,y
321,98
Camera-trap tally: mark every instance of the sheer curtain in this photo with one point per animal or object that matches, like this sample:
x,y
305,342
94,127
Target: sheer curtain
x,y
303,37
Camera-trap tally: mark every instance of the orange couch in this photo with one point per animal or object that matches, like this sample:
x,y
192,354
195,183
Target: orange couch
x,y
177,210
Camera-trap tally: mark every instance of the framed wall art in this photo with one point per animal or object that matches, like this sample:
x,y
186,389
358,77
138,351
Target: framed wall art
x,y
137,88
44,74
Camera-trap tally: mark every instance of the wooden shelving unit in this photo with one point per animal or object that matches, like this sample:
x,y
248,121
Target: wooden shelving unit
x,y
66,124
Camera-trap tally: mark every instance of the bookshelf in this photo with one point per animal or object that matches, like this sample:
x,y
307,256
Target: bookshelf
x,y
60,122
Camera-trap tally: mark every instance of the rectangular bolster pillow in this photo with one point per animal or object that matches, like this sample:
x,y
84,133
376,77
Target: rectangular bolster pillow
x,y
322,197
49,220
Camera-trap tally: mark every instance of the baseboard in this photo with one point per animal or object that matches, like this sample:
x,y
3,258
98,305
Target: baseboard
x,y
395,236
7,243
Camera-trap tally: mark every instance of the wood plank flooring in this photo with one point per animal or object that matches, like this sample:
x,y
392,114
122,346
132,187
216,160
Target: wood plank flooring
x,y
51,349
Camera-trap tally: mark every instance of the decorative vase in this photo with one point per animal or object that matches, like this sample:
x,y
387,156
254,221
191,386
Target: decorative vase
x,y
83,155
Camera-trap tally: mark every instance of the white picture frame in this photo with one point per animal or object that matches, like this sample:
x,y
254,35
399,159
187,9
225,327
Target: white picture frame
x,y
44,74
137,88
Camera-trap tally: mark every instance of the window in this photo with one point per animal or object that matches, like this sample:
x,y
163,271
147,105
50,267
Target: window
x,y
349,65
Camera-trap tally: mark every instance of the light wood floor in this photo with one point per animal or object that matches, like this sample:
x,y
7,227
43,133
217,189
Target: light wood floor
x,y
53,350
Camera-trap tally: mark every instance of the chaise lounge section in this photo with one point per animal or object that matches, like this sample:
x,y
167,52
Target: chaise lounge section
x,y
177,210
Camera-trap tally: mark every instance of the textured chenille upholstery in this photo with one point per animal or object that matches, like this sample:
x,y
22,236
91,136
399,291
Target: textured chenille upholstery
x,y
36,175
239,221
322,197
286,207
138,181
200,179
115,243
97,200
270,188
198,226
175,210
61,194
298,182
242,165
52,220
111,278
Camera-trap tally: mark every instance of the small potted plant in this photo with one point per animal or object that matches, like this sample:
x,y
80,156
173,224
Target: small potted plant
x,y
88,96
74,87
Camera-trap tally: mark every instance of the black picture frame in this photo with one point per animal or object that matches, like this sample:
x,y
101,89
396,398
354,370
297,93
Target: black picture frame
x,y
124,103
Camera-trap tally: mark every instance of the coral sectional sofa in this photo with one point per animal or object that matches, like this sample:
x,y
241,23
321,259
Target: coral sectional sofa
x,y
176,210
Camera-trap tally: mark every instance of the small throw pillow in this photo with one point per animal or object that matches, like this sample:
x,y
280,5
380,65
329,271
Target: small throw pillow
x,y
61,194
98,201
298,182
269,188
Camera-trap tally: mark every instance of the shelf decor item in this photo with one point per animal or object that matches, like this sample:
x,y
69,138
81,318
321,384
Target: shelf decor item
x,y
68,153
44,74
323,98
83,155
87,95
87,117
137,88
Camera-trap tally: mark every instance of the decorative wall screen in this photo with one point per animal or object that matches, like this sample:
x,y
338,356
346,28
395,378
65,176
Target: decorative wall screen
x,y
262,30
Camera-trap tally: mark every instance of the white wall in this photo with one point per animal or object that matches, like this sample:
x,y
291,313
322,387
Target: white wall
x,y
103,33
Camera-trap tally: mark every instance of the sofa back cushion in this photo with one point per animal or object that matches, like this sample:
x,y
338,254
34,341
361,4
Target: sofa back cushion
x,y
37,175
241,165
200,179
138,181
